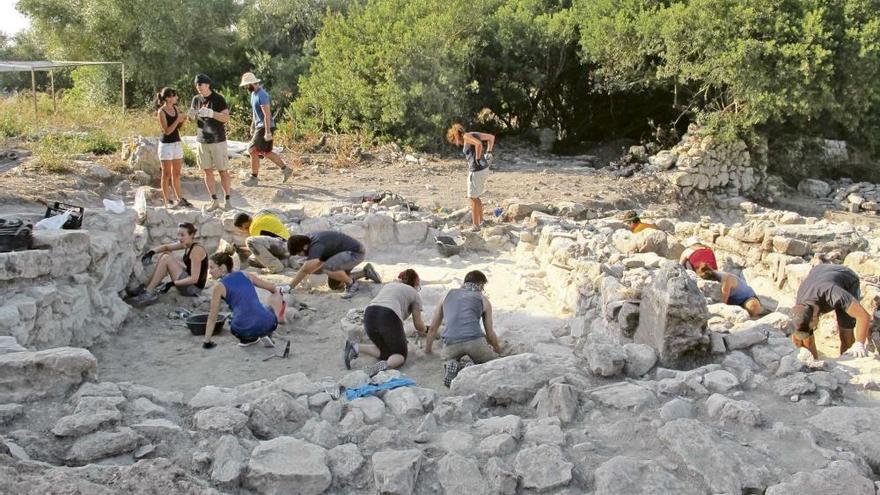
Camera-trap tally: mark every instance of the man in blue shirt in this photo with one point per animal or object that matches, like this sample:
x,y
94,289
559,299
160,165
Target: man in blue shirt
x,y
262,127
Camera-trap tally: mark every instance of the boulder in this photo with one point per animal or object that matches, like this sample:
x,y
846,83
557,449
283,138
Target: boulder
x,y
558,400
621,475
543,467
27,376
605,359
372,407
396,471
837,477
220,419
103,444
459,474
403,401
720,381
497,445
345,460
677,408
510,424
640,358
624,395
229,460
457,441
513,379
500,478
855,427
736,411
672,317
814,188
286,465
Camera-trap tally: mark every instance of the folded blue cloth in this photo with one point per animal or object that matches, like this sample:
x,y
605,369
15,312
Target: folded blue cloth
x,y
370,389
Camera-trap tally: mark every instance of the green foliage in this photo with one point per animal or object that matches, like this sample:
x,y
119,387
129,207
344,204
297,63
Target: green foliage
x,y
189,156
393,67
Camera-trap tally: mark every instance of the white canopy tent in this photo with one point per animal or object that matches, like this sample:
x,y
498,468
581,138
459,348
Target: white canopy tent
x,y
50,66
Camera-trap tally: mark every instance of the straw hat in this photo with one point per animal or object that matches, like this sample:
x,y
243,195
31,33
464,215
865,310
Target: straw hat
x,y
248,78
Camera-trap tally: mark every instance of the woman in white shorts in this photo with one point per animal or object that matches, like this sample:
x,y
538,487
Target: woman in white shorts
x,y
170,147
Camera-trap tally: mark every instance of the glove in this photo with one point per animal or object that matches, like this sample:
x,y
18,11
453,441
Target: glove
x,y
208,345
283,289
192,113
857,350
147,257
206,112
164,288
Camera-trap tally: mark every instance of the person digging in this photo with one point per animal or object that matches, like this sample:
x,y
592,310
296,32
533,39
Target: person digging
x,y
827,288
252,321
697,254
464,309
266,242
188,274
334,254
734,289
635,223
383,323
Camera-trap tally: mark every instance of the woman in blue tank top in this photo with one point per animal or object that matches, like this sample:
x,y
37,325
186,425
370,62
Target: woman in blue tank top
x,y
734,290
251,319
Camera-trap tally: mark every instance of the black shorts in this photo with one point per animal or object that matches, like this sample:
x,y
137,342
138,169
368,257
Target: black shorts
x,y
259,143
844,320
385,329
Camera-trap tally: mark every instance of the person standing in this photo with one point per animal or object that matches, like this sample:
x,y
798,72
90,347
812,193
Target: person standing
x,y
170,147
827,288
477,157
212,112
262,129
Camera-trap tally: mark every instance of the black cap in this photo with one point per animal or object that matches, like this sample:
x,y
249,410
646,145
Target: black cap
x,y
202,79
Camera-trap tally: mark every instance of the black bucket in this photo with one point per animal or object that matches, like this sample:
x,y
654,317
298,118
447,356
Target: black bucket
x,y
447,246
197,323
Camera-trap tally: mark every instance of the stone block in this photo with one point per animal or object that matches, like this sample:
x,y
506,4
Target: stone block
x,y
396,471
27,376
412,232
286,465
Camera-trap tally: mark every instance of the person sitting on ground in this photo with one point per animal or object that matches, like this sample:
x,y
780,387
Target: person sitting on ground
x,y
252,320
463,310
266,241
478,166
696,254
334,254
383,322
188,274
734,289
830,287
635,223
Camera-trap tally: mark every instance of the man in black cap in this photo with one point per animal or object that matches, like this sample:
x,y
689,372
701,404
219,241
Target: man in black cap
x,y
831,287
210,108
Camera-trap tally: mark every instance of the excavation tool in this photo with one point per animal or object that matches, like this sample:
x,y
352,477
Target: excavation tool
x,y
284,355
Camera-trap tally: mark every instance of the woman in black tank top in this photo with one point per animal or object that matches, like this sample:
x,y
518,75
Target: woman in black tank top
x,y
170,147
188,274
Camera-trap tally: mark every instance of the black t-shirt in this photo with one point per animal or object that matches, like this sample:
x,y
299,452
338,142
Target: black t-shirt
x,y
830,287
323,245
210,130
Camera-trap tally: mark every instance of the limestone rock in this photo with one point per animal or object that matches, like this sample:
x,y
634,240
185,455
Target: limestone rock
x,y
345,460
637,477
855,427
677,408
737,411
640,358
211,396
457,441
8,412
500,477
814,188
510,424
27,376
543,467
286,465
229,460
672,317
513,379
220,419
9,344
79,424
838,477
103,444
557,400
794,384
624,395
404,402
372,407
396,471
720,381
497,445
458,474
605,359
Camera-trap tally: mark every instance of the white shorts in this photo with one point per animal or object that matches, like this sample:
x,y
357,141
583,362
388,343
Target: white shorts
x,y
476,185
171,151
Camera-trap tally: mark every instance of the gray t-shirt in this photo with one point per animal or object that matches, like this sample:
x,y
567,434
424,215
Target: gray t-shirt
x,y
463,311
400,298
830,287
323,245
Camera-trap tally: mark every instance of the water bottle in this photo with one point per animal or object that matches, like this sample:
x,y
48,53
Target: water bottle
x,y
498,212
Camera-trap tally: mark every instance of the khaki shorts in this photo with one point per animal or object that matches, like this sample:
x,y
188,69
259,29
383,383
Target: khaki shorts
x,y
478,349
476,183
212,156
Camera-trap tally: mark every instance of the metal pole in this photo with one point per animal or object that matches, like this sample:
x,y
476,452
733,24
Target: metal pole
x,y
52,83
123,88
34,90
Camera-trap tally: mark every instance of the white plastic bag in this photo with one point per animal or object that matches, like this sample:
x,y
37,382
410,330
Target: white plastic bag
x,y
53,223
140,202
114,205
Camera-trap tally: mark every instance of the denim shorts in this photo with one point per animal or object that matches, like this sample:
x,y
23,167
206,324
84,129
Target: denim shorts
x,y
344,261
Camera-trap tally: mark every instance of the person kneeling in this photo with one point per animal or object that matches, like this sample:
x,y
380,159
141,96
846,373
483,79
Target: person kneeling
x,y
188,274
383,322
252,321
463,309
734,290
334,254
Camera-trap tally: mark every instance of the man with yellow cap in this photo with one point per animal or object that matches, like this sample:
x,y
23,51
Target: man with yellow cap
x,y
262,127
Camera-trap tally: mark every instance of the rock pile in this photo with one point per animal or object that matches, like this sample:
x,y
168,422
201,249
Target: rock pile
x,y
843,194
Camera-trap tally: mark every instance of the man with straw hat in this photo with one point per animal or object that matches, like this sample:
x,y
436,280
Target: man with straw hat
x,y
635,223
262,127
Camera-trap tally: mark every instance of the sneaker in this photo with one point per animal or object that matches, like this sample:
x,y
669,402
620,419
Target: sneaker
x,y
140,289
375,368
225,206
286,172
267,341
183,203
349,353
215,205
242,343
372,274
251,181
144,299
450,369
351,290
172,205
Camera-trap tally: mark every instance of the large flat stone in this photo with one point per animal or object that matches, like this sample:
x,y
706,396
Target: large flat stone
x,y
287,465
27,376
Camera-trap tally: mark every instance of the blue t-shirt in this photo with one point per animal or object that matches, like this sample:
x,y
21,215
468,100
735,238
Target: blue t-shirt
x,y
250,317
261,97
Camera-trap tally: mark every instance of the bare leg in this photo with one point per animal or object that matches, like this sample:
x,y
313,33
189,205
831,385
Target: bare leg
x,y
394,361
209,181
166,179
753,306
274,158
847,339
255,161
340,276
808,343
276,302
475,219
479,208
176,165
226,182
166,266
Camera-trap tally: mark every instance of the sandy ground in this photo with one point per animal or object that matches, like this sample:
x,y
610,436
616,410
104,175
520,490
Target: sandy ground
x,y
153,349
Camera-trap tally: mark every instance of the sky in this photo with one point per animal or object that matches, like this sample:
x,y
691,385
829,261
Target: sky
x,y
11,20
